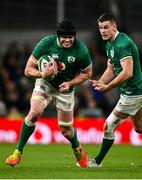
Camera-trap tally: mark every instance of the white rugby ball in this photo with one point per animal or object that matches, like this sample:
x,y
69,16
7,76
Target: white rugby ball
x,y
42,63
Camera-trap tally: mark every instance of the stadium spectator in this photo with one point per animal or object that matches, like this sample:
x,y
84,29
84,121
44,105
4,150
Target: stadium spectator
x,y
75,68
86,102
3,110
124,71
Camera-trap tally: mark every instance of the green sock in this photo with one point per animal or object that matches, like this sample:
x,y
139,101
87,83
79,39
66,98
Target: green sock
x,y
26,132
106,145
73,140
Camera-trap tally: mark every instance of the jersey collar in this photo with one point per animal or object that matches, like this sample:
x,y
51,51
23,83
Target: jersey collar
x,y
116,34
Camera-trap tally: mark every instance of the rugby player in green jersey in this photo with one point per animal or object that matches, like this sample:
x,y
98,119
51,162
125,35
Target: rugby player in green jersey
x,y
123,71
74,67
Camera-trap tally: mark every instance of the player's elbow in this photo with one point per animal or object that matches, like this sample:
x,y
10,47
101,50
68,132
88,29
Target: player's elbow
x,y
89,73
128,75
27,72
131,74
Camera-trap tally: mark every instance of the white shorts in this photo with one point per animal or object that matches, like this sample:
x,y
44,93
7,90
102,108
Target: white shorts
x,y
63,101
129,104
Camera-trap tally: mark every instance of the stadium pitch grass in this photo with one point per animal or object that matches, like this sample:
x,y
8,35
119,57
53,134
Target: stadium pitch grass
x,y
56,161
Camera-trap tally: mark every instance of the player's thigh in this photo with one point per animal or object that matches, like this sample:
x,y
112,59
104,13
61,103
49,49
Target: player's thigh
x,y
39,101
65,105
137,119
37,106
65,116
40,98
64,101
129,105
41,95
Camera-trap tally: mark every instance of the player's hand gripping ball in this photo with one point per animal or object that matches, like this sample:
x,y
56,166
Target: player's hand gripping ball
x,y
48,66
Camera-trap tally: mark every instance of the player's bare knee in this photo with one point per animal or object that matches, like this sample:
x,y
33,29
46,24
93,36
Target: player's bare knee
x,y
110,125
108,131
109,135
33,116
66,131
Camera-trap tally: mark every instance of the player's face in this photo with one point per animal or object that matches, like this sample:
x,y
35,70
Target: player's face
x,y
107,30
66,41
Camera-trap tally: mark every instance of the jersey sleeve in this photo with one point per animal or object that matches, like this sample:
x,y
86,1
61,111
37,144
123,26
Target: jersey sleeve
x,y
41,48
125,51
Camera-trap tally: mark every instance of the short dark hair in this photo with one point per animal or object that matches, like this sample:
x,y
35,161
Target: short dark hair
x,y
107,17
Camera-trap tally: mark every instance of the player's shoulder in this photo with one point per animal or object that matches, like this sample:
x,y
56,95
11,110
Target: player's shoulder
x,y
49,38
122,37
123,40
80,45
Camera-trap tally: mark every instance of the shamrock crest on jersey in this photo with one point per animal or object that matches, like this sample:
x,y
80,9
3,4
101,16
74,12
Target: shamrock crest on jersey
x,y
71,59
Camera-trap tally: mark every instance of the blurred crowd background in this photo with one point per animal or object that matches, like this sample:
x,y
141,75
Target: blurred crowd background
x,y
24,23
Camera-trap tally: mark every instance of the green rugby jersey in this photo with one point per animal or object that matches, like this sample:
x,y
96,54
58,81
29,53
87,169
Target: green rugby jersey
x,y
70,60
119,49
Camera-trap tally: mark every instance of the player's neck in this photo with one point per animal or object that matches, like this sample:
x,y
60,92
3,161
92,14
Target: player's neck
x,y
114,36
